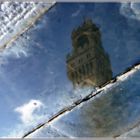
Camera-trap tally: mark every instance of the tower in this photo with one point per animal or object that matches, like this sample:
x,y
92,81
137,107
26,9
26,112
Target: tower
x,y
88,63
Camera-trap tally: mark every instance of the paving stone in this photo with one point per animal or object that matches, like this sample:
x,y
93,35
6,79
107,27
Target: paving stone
x,y
16,17
111,113
35,83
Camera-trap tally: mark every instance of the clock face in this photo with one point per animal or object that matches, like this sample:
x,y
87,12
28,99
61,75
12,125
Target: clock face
x,y
82,40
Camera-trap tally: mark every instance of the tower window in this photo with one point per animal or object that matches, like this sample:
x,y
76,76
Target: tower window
x,y
88,55
72,75
72,65
80,60
80,70
82,40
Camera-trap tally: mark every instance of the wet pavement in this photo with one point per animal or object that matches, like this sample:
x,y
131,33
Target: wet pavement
x,y
37,79
111,113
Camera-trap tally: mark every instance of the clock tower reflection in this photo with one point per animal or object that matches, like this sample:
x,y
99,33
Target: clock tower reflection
x,y
88,63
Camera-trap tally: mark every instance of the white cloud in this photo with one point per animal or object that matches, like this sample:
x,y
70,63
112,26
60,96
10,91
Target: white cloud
x,y
31,114
75,14
27,110
18,49
78,11
130,10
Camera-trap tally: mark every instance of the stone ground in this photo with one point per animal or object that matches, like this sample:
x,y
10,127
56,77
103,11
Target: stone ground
x,y
35,90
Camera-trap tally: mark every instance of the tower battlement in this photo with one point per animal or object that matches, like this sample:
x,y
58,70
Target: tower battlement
x,y
87,25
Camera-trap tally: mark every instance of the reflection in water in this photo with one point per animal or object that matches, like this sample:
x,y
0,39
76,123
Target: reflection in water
x,y
88,63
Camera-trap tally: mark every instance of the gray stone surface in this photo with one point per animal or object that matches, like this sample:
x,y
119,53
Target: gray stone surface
x,y
34,84
111,113
17,17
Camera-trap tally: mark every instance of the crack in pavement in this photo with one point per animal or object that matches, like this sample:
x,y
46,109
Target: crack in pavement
x,y
120,77
128,130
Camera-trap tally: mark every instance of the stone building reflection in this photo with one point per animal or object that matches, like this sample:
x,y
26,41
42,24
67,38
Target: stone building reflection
x,y
88,63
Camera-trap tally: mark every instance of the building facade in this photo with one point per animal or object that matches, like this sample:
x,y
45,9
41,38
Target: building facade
x,y
88,63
